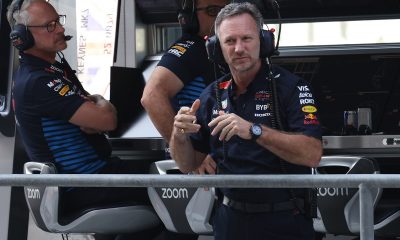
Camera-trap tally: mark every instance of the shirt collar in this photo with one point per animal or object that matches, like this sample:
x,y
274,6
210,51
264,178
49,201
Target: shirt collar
x,y
40,63
260,78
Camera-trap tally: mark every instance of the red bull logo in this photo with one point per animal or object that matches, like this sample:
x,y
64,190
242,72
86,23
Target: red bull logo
x,y
310,119
17,42
310,116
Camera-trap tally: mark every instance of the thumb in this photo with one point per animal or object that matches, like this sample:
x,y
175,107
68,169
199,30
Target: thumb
x,y
195,106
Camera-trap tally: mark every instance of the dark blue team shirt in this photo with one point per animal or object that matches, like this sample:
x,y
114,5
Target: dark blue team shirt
x,y
44,99
299,113
187,59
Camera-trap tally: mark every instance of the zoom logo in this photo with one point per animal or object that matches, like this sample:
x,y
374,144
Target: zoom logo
x,y
33,193
333,192
174,193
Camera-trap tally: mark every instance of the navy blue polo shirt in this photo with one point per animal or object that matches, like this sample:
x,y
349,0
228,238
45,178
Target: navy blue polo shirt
x,y
187,59
299,114
44,99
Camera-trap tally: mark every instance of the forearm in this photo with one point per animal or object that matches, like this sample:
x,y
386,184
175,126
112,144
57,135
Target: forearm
x,y
294,148
162,116
183,153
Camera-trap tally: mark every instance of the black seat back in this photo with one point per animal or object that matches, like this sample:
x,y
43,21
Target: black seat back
x,y
338,208
35,195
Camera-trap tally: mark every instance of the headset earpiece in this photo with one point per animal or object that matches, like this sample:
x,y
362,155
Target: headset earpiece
x,y
187,18
21,37
267,43
214,50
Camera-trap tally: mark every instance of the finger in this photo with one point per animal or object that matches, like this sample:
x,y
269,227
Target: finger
x,y
224,135
213,164
200,170
218,119
221,125
195,106
183,110
210,169
232,131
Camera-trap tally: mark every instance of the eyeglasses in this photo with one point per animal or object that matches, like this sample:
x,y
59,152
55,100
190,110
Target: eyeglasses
x,y
51,26
211,10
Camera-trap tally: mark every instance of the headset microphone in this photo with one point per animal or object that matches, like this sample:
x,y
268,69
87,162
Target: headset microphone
x,y
68,37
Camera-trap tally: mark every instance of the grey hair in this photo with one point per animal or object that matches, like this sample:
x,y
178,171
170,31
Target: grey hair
x,y
235,9
16,15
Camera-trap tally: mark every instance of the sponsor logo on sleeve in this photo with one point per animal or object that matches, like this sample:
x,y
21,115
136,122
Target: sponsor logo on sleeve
x,y
58,87
310,119
64,90
53,83
305,95
303,88
307,101
179,49
309,109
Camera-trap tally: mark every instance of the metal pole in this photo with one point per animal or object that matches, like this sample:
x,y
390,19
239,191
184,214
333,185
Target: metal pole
x,y
181,180
366,213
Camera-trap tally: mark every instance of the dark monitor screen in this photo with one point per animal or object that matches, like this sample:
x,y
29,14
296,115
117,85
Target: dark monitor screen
x,y
126,90
348,82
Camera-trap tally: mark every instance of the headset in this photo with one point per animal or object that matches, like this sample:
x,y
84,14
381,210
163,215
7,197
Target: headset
x,y
20,36
187,17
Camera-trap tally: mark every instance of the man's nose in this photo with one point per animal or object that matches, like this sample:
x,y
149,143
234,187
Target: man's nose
x,y
239,47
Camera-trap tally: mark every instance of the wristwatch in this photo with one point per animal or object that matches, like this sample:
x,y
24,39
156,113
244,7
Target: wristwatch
x,y
255,131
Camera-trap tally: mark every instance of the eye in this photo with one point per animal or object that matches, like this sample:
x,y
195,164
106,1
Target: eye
x,y
247,38
229,41
213,10
51,26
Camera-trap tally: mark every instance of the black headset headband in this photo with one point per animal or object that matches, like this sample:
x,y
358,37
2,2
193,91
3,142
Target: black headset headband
x,y
187,17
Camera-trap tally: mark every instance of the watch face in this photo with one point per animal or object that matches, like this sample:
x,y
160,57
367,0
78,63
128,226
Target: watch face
x,y
256,129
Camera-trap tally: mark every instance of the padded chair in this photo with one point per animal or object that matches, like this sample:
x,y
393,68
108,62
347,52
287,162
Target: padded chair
x,y
182,210
43,203
339,208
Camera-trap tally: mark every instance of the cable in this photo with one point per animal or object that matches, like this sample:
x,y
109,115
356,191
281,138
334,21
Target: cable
x,y
219,106
71,73
277,9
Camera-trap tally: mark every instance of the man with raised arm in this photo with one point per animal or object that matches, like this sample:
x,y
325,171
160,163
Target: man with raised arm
x,y
234,121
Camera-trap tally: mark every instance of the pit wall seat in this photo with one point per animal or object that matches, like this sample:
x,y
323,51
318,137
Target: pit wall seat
x,y
339,208
43,203
182,210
